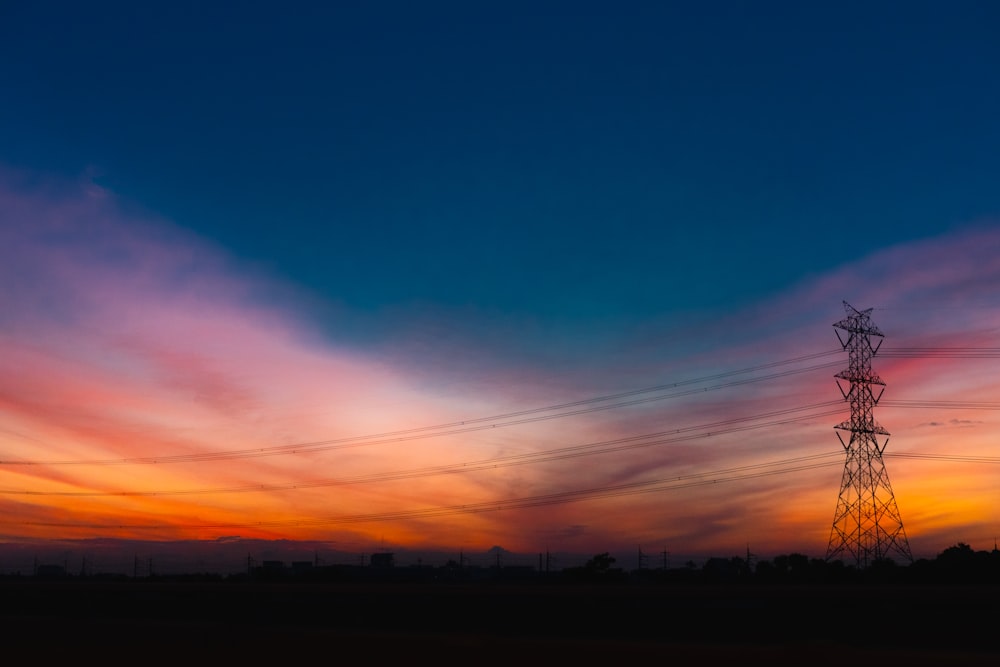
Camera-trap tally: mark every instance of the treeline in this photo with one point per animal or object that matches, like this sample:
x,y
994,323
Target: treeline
x,y
958,564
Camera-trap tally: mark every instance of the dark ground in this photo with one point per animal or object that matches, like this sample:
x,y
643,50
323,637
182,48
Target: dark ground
x,y
149,622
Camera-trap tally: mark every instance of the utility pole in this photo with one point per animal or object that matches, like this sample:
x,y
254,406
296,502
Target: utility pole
x,y
867,526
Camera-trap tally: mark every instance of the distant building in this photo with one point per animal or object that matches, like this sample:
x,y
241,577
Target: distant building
x,y
50,571
382,560
301,567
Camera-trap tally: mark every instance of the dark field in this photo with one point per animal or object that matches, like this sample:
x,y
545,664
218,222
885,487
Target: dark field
x,y
146,622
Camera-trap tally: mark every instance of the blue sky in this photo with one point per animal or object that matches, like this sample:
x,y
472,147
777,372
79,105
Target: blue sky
x,y
572,161
472,208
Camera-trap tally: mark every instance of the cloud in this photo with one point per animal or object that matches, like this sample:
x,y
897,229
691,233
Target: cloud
x,y
952,422
127,337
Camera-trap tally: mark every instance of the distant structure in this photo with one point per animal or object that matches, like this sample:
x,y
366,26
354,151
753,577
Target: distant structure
x,y
383,560
866,526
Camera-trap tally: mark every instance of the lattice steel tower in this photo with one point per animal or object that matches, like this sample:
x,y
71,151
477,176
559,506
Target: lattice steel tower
x,y
866,526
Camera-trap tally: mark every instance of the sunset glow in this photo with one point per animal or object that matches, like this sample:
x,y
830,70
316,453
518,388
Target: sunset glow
x,y
434,280
148,393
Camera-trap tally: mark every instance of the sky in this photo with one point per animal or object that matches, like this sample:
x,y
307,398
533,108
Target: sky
x,y
366,276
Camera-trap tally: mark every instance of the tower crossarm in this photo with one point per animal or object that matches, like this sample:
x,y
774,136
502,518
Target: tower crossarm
x,y
874,427
856,328
858,322
860,376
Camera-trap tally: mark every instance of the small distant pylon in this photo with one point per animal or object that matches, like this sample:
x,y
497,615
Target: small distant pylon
x,y
866,525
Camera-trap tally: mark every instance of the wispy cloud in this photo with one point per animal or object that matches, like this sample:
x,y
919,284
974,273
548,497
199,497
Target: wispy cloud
x,y
126,337
952,422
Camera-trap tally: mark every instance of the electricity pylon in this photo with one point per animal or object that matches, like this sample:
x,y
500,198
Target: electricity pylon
x,y
866,526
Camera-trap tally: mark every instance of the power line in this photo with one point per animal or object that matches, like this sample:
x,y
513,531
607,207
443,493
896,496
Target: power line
x,y
673,483
955,458
517,417
945,405
942,352
561,453
582,406
452,428
751,471
740,473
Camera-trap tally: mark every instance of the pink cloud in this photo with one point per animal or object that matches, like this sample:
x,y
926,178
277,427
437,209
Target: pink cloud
x,y
125,337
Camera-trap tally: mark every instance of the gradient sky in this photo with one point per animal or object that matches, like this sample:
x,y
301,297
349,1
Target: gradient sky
x,y
239,227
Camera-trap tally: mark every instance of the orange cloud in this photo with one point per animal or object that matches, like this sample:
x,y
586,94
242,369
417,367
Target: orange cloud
x,y
147,390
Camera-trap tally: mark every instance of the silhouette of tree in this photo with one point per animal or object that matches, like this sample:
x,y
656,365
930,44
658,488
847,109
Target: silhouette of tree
x,y
598,568
600,564
957,555
960,564
730,570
